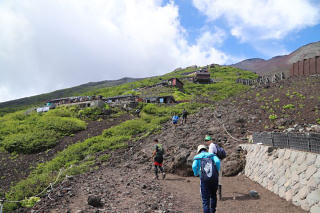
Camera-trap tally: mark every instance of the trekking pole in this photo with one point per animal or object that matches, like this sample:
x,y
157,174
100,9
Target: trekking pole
x,y
220,191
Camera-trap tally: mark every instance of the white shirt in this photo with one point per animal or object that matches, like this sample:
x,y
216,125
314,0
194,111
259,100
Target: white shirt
x,y
212,148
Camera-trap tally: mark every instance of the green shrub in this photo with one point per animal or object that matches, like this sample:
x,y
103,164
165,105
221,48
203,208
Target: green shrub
x,y
128,128
288,106
64,126
91,113
30,142
276,100
35,132
104,158
62,112
30,202
273,117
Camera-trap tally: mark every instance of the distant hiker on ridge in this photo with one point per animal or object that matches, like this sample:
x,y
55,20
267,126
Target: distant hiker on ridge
x,y
138,112
175,119
157,157
184,116
207,166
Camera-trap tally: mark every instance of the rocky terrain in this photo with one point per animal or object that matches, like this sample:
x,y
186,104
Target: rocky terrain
x,y
125,182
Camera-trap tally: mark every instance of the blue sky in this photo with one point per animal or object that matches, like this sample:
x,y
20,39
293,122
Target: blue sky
x,y
194,21
50,45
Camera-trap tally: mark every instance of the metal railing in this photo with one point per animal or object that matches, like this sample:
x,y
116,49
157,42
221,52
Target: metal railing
x,y
309,142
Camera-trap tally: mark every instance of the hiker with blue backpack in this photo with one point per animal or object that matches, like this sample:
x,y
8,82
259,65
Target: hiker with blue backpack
x,y
207,166
175,119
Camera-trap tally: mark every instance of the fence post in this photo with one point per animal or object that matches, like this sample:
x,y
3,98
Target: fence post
x,y
1,205
272,139
288,142
309,146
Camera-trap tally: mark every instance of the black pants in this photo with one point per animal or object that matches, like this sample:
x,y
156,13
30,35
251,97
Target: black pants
x,y
156,169
184,119
209,196
158,163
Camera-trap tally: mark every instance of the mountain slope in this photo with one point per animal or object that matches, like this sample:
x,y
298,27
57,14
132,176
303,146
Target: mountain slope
x,y
11,106
279,63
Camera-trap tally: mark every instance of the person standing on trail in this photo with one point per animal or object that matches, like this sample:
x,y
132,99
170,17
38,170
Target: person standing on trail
x,y
184,116
215,148
220,153
157,156
207,166
138,112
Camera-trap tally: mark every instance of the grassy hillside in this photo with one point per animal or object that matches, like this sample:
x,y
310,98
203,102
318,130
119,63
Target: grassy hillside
x,y
23,103
32,133
225,87
82,155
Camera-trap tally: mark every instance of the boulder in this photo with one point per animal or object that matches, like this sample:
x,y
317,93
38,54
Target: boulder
x,y
182,163
232,168
253,194
95,201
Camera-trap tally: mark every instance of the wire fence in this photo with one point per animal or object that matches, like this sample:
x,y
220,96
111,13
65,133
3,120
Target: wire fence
x,y
309,142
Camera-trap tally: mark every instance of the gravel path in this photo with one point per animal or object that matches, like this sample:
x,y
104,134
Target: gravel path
x,y
131,188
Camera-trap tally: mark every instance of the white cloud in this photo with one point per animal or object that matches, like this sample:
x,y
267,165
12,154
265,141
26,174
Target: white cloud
x,y
208,39
262,19
53,44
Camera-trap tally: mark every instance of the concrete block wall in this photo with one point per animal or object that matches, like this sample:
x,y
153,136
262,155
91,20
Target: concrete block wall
x,y
291,174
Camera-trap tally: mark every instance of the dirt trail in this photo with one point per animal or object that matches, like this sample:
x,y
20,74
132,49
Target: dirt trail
x,y
187,190
131,188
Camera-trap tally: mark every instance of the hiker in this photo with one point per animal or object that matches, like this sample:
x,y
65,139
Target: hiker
x,y
138,112
157,157
207,166
184,116
215,148
175,119
220,153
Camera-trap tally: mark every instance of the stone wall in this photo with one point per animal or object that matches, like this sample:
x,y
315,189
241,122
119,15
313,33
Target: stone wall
x,y
291,174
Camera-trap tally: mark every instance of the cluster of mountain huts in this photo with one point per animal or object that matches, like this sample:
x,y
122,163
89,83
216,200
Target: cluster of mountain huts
x,y
201,76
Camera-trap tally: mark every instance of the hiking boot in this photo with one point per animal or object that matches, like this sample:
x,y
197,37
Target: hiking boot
x,y
156,177
163,176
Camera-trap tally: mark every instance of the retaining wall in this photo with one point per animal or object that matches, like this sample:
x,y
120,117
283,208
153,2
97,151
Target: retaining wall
x,y
293,175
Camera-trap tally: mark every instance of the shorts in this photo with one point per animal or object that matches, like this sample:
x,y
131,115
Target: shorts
x,y
158,160
174,122
157,164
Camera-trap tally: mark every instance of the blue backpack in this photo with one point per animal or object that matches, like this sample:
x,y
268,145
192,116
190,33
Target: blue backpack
x,y
209,171
221,154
